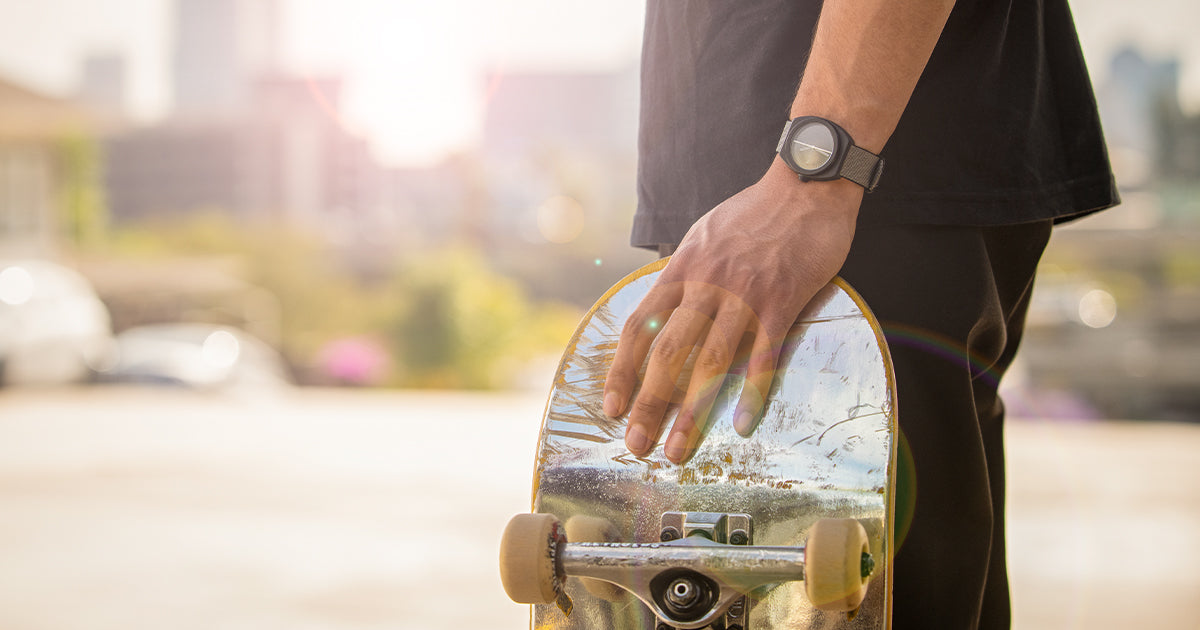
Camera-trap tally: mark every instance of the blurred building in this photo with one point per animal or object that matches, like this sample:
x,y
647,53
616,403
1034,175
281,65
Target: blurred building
x,y
39,169
285,157
580,112
221,48
1149,135
1115,317
432,204
244,139
550,136
103,84
558,165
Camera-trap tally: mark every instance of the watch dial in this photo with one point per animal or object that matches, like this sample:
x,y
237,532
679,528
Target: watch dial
x,y
812,146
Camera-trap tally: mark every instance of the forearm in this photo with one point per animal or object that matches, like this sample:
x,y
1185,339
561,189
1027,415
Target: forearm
x,y
866,58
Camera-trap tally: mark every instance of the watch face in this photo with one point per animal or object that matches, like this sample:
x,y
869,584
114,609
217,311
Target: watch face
x,y
812,146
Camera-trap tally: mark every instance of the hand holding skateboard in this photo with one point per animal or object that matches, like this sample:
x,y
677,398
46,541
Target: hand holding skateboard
x,y
789,527
730,294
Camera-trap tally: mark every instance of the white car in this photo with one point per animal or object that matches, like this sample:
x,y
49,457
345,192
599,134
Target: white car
x,y
202,356
54,329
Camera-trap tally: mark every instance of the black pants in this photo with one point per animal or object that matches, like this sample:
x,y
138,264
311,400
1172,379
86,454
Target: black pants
x,y
952,302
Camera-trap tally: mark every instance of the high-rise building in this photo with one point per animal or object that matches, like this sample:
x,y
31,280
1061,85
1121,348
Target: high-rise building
x,y
221,47
282,158
582,112
103,84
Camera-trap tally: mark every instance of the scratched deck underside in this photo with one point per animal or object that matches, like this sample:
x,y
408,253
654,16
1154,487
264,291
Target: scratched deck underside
x,y
823,449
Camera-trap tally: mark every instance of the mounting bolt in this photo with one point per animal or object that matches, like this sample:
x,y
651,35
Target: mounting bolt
x,y
668,534
739,537
663,626
736,608
683,593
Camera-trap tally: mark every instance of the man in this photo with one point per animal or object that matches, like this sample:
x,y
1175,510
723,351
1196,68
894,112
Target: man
x,y
981,111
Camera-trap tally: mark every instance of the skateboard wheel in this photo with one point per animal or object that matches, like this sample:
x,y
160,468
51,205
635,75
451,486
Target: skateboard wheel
x,y
593,529
528,551
833,564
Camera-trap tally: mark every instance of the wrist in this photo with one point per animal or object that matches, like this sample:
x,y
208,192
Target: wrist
x,y
868,123
818,149
840,196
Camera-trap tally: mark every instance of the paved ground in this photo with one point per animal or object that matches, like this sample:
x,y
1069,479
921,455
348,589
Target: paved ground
x,y
137,509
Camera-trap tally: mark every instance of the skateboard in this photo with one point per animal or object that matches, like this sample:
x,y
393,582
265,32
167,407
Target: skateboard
x,y
790,527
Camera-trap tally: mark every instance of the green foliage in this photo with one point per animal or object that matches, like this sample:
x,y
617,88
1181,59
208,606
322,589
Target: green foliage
x,y
1181,268
446,319
458,324
84,214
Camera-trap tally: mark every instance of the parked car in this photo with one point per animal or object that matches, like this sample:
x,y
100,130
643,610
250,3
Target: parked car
x,y
195,355
53,328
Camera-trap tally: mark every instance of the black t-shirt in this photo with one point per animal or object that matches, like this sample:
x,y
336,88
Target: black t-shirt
x,y
1001,129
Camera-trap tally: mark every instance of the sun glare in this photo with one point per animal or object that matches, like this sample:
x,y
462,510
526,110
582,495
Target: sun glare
x,y
416,73
408,74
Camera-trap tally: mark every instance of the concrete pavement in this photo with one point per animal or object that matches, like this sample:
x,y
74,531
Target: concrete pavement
x,y
148,509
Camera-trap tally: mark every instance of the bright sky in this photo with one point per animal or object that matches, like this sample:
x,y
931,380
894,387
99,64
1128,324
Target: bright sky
x,y
414,68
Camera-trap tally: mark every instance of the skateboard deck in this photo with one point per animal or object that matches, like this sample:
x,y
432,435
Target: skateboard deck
x,y
639,542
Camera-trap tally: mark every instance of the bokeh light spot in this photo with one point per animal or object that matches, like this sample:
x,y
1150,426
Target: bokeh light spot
x,y
16,286
560,219
1097,308
221,349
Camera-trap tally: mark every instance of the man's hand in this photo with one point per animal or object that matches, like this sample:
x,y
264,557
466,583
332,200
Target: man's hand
x,y
738,280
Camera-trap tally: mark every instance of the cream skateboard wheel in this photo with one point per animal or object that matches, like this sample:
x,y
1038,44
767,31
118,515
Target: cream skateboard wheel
x,y
528,553
833,565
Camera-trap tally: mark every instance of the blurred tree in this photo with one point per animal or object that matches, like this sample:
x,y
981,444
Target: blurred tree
x,y
447,319
85,215
459,324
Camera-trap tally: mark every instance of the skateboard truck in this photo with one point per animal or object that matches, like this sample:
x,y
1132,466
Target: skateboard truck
x,y
686,594
698,574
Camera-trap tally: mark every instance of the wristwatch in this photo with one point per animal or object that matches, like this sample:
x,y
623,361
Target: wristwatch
x,y
820,150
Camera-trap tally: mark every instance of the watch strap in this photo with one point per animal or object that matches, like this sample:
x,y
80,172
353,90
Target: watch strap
x,y
783,136
862,167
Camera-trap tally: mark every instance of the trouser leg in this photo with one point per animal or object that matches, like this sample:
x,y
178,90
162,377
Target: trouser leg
x,y
995,609
952,303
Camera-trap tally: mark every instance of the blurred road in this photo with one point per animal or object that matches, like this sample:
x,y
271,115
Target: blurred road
x,y
148,509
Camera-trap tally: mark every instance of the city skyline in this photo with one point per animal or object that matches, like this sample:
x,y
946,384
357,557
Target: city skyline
x,y
415,72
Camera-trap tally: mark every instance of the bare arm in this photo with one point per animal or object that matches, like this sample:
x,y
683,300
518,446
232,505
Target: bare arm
x,y
747,268
865,61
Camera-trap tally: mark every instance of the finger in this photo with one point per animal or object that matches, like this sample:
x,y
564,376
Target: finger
x,y
671,351
760,374
714,358
637,336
